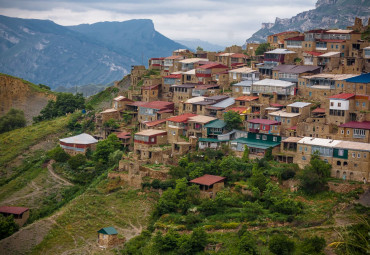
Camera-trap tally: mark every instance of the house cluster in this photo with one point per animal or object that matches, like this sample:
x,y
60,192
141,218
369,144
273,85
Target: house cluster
x,y
308,93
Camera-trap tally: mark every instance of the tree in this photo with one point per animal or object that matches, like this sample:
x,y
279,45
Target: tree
x,y
268,155
58,154
281,245
233,120
7,226
314,177
247,244
106,147
199,48
111,123
246,154
258,180
262,48
76,161
313,245
12,120
115,157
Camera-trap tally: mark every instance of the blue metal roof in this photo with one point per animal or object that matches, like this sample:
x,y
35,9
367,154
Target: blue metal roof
x,y
363,78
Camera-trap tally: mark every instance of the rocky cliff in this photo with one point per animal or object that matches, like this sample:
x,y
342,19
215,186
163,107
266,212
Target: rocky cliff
x,y
327,14
19,94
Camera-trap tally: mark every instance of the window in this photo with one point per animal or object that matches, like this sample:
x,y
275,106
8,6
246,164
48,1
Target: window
x,y
358,155
365,155
340,152
303,158
357,103
345,163
339,163
305,148
310,94
342,46
331,103
288,121
264,137
339,104
258,136
300,148
338,85
342,131
342,85
364,104
336,46
353,155
275,140
348,132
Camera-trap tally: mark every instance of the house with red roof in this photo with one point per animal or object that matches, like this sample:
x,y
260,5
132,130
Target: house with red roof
x,y
209,185
156,63
171,63
20,214
125,138
146,141
264,126
204,72
155,110
339,109
169,80
355,131
177,127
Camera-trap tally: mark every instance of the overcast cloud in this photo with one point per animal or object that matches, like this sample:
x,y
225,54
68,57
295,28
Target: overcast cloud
x,y
224,22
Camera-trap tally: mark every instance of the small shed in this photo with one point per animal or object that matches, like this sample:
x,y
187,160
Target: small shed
x,y
20,214
209,184
107,237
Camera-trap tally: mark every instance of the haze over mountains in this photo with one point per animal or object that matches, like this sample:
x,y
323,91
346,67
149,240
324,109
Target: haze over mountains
x,y
44,52
327,14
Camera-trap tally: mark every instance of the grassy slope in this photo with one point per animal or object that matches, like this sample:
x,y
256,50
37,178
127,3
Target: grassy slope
x,y
15,142
33,87
104,204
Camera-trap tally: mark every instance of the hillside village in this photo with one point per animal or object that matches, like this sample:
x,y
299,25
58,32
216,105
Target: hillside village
x,y
198,140
307,92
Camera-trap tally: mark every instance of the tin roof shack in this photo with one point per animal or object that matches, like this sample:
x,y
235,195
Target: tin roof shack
x,y
209,185
291,73
182,92
257,144
217,110
78,144
243,74
177,127
279,90
20,214
355,131
155,110
145,140
263,126
204,72
196,125
274,58
108,237
349,160
319,86
288,121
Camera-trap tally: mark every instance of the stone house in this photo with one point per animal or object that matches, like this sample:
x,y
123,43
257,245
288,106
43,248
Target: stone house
x,y
294,44
118,106
277,90
171,63
196,125
156,124
20,214
329,61
209,185
182,92
217,110
190,105
316,125
277,40
156,63
137,72
189,77
204,72
246,101
215,128
288,121
251,49
201,105
151,92
359,85
183,52
145,140
243,74
108,237
341,108
354,131
206,90
125,138
78,144
263,126
274,58
191,63
155,110
291,73
177,127
169,80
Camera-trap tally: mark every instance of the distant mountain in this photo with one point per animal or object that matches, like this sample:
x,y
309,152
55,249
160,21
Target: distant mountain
x,y
43,52
193,44
327,14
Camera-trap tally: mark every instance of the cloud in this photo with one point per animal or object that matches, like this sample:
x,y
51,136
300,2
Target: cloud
x,y
216,21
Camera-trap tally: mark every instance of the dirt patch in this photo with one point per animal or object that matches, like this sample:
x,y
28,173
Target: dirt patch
x,y
345,187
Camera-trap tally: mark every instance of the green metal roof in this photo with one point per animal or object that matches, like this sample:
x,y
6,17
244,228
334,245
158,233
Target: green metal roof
x,y
211,140
216,124
108,231
260,144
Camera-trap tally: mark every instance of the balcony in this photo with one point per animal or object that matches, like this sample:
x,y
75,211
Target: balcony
x,y
254,130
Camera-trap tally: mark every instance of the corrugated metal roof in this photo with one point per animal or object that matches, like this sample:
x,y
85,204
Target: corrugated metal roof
x,y
280,51
154,123
225,103
296,69
201,119
313,53
121,98
212,65
212,140
246,98
192,60
80,139
208,179
292,139
337,77
243,70
356,124
190,72
108,231
349,145
195,99
339,31
299,104
13,209
330,54
319,110
216,124
363,78
284,114
261,144
158,105
319,141
150,132
272,82
344,96
264,121
243,84
109,110
181,118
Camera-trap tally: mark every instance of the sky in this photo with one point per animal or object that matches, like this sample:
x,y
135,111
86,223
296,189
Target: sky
x,y
222,22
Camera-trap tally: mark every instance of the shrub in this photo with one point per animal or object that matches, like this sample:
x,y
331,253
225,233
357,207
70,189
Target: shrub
x,y
281,245
313,245
287,174
259,181
58,154
7,226
76,161
247,244
12,120
230,225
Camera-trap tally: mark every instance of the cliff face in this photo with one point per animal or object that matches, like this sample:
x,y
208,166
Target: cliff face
x,y
327,14
15,93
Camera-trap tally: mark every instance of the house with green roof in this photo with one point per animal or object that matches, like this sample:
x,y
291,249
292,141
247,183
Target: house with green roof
x,y
215,128
108,237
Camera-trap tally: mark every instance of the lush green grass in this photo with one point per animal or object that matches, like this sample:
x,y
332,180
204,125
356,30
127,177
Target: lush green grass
x,y
98,207
15,142
103,96
32,86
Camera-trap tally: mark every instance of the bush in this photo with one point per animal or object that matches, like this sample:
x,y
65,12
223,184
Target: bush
x,y
247,244
76,161
7,226
281,245
287,206
58,154
313,245
12,120
258,180
287,174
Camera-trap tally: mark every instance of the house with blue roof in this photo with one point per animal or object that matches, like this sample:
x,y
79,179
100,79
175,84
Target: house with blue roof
x,y
359,85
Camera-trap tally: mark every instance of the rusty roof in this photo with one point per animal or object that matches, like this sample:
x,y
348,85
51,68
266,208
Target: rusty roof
x,y
344,96
13,209
208,179
246,98
182,117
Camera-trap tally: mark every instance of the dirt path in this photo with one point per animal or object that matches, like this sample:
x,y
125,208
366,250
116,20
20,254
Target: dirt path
x,y
56,177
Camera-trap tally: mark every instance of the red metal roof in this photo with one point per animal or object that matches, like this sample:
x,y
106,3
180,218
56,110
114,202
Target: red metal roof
x,y
173,76
319,110
355,124
165,111
124,135
317,31
160,105
181,118
212,65
246,98
313,53
238,109
296,38
13,209
264,121
239,55
150,87
208,179
154,123
345,96
277,105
